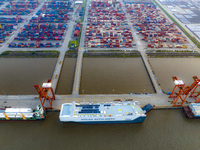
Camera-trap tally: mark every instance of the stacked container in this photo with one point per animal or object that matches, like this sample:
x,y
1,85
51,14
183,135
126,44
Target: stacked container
x,y
7,26
53,12
77,30
41,31
19,8
153,25
107,25
46,28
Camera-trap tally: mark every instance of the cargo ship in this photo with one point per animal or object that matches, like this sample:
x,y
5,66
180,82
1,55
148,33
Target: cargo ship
x,y
17,114
192,111
102,113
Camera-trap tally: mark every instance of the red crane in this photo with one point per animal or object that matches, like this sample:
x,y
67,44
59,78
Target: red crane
x,y
196,92
180,91
46,93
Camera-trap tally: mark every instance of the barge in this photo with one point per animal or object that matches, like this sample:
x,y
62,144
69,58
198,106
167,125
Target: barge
x,y
102,113
192,111
18,114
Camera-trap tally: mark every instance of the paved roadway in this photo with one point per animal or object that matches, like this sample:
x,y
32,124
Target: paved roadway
x,y
77,76
32,100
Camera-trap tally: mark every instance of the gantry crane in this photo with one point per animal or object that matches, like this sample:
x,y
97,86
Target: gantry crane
x,y
196,91
46,93
181,91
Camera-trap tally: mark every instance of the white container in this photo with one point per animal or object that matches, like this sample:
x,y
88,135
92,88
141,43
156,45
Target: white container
x,y
16,110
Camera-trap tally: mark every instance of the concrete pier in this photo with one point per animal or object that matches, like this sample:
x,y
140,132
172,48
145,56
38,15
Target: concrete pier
x,y
32,100
78,73
57,70
151,75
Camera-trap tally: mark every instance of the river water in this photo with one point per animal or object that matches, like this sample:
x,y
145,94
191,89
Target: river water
x,y
19,75
183,68
114,76
162,129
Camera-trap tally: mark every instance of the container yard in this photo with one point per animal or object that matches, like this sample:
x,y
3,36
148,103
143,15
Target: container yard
x,y
46,28
19,8
107,26
40,34
155,30
51,8
50,14
8,26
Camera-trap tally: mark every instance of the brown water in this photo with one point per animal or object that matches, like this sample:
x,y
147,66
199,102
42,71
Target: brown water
x,y
162,130
18,75
114,76
183,68
65,83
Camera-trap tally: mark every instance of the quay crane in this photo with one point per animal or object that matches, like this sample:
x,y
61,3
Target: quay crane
x,y
46,93
196,93
181,91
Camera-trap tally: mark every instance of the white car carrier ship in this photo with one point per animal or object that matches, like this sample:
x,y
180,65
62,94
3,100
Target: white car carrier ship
x,y
122,112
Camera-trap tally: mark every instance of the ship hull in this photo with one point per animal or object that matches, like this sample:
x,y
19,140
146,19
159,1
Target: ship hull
x,y
137,120
20,119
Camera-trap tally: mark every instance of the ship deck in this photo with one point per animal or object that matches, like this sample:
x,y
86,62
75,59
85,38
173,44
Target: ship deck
x,y
117,109
120,110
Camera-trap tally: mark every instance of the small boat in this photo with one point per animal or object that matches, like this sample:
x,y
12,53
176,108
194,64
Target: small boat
x,y
12,114
102,113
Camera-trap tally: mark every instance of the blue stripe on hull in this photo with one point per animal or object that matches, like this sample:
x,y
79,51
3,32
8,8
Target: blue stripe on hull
x,y
138,120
